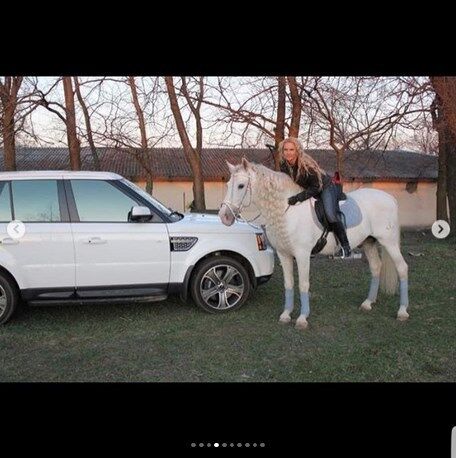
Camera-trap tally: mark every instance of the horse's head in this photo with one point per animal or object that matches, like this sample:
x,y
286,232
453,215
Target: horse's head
x,y
239,192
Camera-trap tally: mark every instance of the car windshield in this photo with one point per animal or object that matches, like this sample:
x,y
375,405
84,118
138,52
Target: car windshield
x,y
148,197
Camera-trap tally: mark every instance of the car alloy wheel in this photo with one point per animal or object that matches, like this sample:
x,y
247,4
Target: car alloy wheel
x,y
222,287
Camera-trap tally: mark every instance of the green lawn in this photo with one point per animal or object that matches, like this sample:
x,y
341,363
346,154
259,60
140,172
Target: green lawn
x,y
168,341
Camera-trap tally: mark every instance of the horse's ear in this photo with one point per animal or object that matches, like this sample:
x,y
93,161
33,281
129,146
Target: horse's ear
x,y
245,163
230,166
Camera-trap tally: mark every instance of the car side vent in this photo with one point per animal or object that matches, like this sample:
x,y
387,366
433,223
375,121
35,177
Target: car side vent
x,y
182,243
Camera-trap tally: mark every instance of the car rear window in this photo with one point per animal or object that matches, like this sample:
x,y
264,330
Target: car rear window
x,y
36,201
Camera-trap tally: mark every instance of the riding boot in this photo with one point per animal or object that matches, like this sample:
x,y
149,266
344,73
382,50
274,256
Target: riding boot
x,y
341,235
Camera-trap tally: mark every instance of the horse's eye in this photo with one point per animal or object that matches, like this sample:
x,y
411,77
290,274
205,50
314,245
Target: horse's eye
x,y
240,186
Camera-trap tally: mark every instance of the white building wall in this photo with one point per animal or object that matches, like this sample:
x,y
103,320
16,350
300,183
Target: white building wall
x,y
416,209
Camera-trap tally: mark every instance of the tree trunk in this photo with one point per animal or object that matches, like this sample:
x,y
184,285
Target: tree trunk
x,y
296,107
340,163
198,191
451,179
442,212
9,96
142,130
192,157
9,147
445,88
149,184
340,154
199,148
73,142
93,149
141,159
280,124
139,112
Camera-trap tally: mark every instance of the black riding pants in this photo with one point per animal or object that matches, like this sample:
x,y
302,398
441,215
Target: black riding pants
x,y
329,197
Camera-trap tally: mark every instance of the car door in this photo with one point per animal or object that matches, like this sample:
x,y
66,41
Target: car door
x,y
44,256
115,257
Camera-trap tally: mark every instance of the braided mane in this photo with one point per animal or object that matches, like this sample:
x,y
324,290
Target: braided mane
x,y
270,194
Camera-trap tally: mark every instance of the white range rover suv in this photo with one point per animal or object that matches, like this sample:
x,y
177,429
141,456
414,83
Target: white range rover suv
x,y
95,236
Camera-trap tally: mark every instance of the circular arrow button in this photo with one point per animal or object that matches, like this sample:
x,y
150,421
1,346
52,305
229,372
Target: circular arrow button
x,y
16,229
440,229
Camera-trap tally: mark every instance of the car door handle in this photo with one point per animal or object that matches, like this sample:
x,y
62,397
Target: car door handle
x,y
9,241
96,241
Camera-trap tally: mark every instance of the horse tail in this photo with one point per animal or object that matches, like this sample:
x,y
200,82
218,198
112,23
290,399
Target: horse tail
x,y
388,272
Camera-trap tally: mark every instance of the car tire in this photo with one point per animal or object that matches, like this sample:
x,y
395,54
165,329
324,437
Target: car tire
x,y
225,296
9,298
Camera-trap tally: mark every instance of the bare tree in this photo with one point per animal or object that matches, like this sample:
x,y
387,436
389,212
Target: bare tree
x,y
440,127
193,154
259,105
445,88
88,124
296,106
133,115
359,112
73,141
9,90
139,112
279,129
67,114
17,102
445,122
142,130
248,103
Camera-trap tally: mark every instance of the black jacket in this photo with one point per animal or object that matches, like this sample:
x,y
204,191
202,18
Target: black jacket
x,y
309,181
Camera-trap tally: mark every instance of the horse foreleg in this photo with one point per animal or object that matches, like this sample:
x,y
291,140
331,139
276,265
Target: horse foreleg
x,y
287,267
303,262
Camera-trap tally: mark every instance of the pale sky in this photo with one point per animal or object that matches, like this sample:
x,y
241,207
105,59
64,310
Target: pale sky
x,y
50,129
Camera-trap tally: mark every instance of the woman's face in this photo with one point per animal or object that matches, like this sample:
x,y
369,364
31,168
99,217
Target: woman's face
x,y
290,153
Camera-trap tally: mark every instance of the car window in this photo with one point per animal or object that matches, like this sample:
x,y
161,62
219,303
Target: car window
x,y
36,200
5,202
99,201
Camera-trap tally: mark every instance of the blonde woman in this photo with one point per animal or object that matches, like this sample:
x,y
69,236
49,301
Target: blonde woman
x,y
317,183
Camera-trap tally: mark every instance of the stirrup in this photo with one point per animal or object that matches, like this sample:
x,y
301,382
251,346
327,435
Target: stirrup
x,y
342,253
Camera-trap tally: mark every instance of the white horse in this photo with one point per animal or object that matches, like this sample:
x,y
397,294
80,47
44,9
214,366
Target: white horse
x,y
293,232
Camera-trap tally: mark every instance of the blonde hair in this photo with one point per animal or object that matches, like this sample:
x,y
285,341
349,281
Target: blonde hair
x,y
305,162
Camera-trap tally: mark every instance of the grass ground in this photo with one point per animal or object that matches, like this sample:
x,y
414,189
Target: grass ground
x,y
171,342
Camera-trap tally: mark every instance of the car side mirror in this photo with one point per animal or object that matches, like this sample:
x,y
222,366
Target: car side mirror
x,y
140,214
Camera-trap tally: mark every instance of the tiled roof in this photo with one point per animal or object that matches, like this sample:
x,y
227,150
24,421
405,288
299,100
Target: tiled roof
x,y
171,163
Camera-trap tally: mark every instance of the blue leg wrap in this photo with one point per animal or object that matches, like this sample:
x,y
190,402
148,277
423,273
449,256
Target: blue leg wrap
x,y
289,296
305,308
373,290
404,292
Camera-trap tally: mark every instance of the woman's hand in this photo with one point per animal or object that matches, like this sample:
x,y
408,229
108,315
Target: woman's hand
x,y
301,197
293,200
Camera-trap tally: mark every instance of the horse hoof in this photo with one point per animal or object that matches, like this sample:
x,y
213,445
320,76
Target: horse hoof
x,y
301,325
403,316
285,320
366,307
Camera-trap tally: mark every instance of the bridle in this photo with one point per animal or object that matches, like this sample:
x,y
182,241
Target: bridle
x,y
237,214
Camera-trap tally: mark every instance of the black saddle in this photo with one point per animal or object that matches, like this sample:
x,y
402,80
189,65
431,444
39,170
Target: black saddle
x,y
320,212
